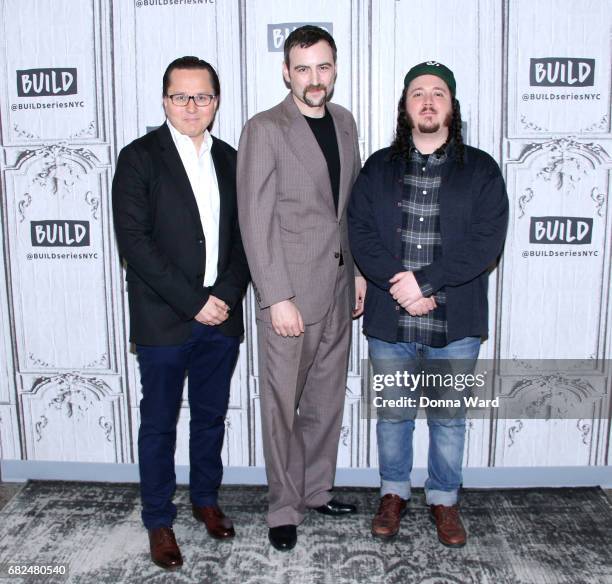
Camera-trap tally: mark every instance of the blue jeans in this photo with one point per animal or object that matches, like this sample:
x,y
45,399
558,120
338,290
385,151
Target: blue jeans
x,y
395,425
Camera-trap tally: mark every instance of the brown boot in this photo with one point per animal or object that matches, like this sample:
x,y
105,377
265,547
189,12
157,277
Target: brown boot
x,y
386,522
448,523
164,549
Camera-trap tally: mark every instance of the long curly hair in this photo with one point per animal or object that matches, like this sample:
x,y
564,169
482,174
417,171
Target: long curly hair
x,y
402,141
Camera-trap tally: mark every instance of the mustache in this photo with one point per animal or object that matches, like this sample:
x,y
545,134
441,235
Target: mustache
x,y
427,109
317,87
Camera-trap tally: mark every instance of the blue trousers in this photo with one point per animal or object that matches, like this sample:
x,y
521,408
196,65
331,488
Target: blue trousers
x,y
395,425
208,357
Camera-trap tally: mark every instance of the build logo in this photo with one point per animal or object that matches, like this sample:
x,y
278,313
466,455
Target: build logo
x,y
561,230
59,233
562,72
46,82
277,33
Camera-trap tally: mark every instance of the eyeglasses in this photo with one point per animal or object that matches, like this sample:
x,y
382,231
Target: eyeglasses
x,y
201,99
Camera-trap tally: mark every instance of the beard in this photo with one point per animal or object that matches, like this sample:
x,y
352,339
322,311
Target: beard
x,y
429,128
315,102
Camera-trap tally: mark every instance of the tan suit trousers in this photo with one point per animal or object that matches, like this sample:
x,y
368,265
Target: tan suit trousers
x,y
302,388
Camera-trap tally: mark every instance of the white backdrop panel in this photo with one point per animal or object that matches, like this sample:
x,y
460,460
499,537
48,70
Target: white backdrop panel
x,y
558,68
91,81
57,259
265,33
556,244
50,74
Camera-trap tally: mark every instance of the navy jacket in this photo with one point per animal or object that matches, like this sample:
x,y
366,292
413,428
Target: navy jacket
x,y
473,221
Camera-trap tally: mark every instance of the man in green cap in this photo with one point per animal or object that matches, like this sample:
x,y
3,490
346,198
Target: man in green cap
x,y
427,220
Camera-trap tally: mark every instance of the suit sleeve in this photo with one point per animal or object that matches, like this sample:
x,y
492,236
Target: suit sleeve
x,y
133,220
375,261
356,171
468,259
231,284
257,212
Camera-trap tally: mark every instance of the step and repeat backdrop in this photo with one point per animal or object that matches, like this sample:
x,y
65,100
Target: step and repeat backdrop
x,y
82,78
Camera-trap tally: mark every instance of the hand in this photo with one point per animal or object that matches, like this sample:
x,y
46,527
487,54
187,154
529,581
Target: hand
x,y
360,292
422,306
405,289
286,319
214,312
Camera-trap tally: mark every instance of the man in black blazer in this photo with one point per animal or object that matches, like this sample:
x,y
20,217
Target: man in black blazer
x,y
174,206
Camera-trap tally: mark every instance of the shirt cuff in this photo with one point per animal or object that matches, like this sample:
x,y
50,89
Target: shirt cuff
x,y
424,285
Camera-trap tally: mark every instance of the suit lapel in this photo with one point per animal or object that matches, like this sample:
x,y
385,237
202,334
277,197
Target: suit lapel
x,y
345,152
227,189
172,160
304,145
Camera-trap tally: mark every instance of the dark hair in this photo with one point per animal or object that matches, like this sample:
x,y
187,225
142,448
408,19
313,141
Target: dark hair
x,y
403,133
191,63
305,37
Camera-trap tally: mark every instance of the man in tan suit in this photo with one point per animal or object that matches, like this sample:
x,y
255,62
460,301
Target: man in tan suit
x,y
296,166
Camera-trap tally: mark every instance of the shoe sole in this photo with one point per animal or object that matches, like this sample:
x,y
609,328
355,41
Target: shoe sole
x,y
167,568
451,545
389,537
281,549
385,537
337,515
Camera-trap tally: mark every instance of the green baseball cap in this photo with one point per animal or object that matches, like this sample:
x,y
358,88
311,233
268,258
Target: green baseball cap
x,y
432,68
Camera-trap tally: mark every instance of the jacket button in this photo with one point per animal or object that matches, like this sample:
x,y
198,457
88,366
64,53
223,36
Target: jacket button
x,y
200,241
337,255
397,308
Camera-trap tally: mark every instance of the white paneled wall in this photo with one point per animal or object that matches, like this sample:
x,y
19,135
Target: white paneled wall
x,y
82,78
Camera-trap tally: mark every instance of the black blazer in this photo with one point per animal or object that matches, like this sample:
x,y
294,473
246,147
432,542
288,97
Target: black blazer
x,y
160,236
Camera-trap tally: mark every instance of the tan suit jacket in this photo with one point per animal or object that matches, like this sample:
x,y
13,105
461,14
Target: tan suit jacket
x,y
291,232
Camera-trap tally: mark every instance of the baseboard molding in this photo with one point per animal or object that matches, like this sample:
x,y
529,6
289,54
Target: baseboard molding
x,y
485,478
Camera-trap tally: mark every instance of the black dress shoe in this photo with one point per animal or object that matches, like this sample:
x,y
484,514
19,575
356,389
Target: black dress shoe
x,y
336,508
283,537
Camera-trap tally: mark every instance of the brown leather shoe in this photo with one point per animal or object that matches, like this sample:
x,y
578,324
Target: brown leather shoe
x,y
165,551
448,523
386,522
217,524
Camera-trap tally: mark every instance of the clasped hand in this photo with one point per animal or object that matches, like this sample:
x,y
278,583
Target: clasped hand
x,y
407,293
214,312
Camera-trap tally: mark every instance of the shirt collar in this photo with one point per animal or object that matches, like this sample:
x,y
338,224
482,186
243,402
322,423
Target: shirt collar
x,y
440,155
182,141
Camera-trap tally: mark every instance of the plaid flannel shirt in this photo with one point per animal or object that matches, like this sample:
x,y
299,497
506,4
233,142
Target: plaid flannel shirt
x,y
421,243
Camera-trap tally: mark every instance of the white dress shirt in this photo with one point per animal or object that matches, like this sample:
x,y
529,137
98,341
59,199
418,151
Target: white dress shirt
x,y
203,179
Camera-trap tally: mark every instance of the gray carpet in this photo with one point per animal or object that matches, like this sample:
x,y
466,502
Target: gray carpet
x,y
8,491
555,536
